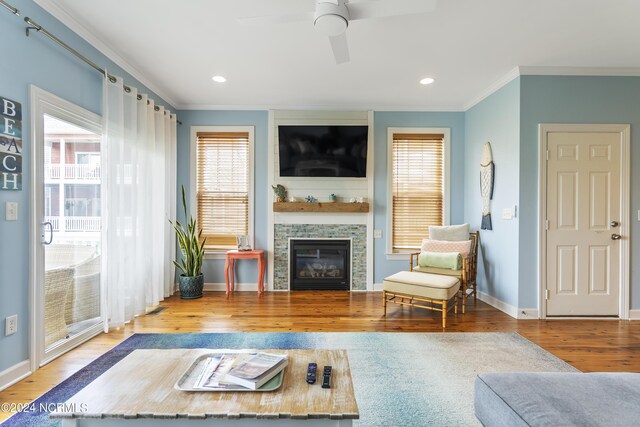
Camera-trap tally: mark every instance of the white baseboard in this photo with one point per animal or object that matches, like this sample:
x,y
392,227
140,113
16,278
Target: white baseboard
x,y
377,287
222,287
634,314
515,312
12,375
528,313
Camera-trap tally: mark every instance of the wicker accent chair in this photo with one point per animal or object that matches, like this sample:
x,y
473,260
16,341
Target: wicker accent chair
x,y
83,299
467,274
57,283
64,255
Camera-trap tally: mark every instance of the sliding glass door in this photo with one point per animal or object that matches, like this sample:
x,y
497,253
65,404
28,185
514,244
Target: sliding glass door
x,y
67,212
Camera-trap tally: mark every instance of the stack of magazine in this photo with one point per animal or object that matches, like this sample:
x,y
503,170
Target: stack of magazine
x,y
226,371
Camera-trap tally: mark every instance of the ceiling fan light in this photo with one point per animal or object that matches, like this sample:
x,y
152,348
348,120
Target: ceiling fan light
x,y
427,81
331,25
218,79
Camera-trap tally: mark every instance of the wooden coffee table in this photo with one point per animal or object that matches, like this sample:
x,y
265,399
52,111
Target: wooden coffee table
x,y
139,390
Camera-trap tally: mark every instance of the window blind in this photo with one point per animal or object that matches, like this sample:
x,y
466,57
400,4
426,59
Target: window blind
x,y
417,186
223,187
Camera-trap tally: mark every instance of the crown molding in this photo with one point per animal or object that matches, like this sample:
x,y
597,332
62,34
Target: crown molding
x,y
344,107
553,71
511,75
579,71
69,21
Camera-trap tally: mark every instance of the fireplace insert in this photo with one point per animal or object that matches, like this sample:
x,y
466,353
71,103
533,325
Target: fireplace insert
x,y
320,264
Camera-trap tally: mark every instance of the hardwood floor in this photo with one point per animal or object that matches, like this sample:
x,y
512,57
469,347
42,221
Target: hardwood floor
x,y
589,345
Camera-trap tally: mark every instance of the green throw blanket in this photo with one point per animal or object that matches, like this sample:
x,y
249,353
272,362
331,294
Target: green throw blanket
x,y
448,260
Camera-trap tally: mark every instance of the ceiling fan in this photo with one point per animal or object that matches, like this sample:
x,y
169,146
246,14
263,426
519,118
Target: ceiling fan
x,y
332,17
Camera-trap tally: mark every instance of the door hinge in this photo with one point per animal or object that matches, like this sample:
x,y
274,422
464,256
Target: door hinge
x,y
547,155
546,224
547,294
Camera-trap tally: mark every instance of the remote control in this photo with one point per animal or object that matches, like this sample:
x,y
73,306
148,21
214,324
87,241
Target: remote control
x,y
312,371
326,377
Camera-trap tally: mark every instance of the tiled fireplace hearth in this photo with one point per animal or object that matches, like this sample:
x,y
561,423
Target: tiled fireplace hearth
x,y
356,232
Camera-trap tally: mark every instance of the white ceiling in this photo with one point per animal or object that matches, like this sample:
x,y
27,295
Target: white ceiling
x,y
468,46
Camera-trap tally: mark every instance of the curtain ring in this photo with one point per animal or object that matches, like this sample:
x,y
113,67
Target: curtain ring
x,y
156,108
112,79
139,97
127,89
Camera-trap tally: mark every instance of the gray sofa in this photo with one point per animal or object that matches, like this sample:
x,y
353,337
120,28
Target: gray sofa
x,y
558,399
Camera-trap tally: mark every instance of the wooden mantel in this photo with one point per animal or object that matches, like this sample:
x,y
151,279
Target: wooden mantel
x,y
320,207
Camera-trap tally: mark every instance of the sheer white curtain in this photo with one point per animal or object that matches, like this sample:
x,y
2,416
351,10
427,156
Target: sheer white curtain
x,y
139,157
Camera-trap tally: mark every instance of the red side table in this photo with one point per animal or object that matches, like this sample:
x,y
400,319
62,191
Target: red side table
x,y
229,271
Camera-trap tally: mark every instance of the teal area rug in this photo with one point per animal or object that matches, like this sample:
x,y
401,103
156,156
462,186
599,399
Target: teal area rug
x,y
400,379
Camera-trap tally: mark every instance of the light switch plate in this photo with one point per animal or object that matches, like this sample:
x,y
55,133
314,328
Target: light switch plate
x,y
507,213
377,234
11,211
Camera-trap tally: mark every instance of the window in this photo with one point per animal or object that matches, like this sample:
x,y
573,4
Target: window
x,y
418,186
223,185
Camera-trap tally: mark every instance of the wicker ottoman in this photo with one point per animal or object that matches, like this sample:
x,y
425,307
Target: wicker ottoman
x,y
422,290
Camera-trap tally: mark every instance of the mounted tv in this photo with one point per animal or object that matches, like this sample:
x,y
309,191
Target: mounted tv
x,y
323,151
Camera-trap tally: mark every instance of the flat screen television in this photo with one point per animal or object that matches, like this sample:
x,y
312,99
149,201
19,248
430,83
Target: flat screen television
x,y
323,151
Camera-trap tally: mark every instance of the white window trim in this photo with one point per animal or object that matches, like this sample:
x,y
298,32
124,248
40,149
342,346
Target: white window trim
x,y
220,254
447,183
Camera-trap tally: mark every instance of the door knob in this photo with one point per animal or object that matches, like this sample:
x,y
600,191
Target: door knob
x,y
616,237
614,223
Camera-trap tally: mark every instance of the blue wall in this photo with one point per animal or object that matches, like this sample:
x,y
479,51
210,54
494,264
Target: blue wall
x,y
36,60
555,99
496,120
384,120
213,269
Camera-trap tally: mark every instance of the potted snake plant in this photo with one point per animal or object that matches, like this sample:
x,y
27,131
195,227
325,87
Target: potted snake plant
x,y
191,281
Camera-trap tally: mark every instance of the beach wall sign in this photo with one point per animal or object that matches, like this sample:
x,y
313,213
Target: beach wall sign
x,y
10,144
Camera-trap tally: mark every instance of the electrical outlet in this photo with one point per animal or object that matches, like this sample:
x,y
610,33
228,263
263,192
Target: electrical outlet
x,y
11,325
377,234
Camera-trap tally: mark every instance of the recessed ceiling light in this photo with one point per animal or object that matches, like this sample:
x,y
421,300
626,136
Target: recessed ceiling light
x,y
427,81
218,79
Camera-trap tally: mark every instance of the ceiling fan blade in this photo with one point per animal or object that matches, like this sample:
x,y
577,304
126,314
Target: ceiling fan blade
x,y
277,19
340,48
383,8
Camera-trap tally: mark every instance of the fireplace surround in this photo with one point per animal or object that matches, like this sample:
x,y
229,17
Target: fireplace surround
x,y
283,233
320,264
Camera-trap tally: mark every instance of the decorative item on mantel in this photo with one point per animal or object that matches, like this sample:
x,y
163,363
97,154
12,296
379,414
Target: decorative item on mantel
x,y
281,192
332,198
310,199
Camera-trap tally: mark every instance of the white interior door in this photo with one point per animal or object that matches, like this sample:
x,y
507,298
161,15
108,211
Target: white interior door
x,y
585,223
